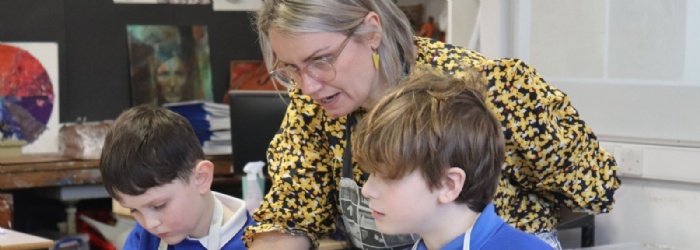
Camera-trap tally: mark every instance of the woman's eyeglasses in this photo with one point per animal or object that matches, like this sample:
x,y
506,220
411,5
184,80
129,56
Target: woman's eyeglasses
x,y
319,69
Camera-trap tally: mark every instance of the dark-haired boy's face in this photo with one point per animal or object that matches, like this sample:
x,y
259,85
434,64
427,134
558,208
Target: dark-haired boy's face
x,y
171,212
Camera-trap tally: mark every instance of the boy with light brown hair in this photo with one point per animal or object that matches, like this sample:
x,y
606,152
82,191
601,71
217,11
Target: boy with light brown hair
x,y
434,152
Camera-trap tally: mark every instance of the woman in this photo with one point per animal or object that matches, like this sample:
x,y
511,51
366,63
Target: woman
x,y
337,58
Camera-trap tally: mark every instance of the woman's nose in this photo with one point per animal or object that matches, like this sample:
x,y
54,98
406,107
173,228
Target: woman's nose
x,y
309,85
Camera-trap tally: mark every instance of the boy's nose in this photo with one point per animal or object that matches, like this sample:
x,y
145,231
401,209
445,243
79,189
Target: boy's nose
x,y
368,189
151,222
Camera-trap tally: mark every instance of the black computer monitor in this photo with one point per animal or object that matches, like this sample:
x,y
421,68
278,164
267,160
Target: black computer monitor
x,y
256,117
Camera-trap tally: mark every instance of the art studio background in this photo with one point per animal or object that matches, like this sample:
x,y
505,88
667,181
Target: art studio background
x,y
627,65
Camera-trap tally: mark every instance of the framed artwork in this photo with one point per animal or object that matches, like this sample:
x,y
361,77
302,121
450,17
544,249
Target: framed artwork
x,y
169,64
29,95
250,75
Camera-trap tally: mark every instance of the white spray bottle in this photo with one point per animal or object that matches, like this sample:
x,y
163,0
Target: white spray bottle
x,y
253,184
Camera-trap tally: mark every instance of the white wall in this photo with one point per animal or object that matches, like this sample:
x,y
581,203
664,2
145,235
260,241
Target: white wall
x,y
462,22
630,67
659,197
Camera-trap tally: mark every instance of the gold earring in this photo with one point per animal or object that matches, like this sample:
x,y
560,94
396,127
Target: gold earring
x,y
375,59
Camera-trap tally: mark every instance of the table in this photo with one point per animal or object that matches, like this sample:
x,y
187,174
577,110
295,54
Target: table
x,y
16,240
53,170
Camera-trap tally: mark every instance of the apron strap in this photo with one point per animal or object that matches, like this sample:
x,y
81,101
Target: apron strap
x,y
347,155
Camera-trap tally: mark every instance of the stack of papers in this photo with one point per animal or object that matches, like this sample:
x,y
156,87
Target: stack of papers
x,y
211,122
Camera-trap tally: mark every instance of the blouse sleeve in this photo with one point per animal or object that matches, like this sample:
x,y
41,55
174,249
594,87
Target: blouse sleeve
x,y
551,150
299,201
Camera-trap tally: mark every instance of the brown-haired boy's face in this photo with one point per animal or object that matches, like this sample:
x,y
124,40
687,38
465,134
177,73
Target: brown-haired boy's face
x,y
171,212
389,200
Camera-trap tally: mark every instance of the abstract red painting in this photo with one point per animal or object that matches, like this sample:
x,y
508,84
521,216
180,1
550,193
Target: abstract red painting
x,y
28,95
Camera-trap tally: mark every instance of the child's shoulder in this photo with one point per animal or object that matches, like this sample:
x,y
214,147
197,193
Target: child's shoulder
x,y
491,232
140,238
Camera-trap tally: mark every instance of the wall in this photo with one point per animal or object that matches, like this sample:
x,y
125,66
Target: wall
x,y
91,34
630,68
659,197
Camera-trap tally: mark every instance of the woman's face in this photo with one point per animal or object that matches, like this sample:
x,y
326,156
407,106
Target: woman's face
x,y
355,84
171,76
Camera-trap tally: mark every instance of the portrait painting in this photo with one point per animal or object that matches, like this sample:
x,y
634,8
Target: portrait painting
x,y
169,64
29,95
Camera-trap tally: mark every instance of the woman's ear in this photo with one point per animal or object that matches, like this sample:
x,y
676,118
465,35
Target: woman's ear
x,y
452,185
203,176
374,38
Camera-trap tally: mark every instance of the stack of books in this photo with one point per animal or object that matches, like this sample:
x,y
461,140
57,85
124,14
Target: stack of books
x,y
211,122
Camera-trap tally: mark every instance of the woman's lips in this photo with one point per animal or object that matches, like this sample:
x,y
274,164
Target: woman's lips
x,y
329,99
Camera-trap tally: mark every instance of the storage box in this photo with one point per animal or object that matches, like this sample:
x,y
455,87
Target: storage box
x,y
82,141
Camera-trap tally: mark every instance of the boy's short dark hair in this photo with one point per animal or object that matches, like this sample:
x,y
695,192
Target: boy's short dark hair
x,y
431,122
148,147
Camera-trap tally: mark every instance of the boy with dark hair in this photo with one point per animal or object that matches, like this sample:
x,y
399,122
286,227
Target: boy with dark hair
x,y
153,165
434,144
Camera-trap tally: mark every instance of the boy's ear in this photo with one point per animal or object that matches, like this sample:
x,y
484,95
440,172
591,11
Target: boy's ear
x,y
452,185
203,176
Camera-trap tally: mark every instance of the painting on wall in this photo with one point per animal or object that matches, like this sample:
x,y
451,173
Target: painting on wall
x,y
169,64
29,95
250,75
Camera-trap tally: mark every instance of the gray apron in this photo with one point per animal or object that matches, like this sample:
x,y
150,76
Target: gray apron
x,y
359,225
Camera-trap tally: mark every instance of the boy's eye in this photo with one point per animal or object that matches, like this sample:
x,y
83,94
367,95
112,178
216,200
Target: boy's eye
x,y
159,207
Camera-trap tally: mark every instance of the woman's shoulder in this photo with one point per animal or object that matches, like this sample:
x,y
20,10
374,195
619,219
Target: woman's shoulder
x,y
439,54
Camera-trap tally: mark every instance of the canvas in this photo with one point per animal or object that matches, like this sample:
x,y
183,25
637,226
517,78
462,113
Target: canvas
x,y
250,75
29,94
169,64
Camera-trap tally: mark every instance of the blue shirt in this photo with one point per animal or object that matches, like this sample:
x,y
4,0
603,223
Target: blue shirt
x,y
141,239
491,232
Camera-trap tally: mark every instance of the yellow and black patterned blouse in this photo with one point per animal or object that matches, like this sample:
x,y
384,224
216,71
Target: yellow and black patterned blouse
x,y
552,157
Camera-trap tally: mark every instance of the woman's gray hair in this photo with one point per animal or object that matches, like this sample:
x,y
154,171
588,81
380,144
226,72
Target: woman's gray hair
x,y
309,16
